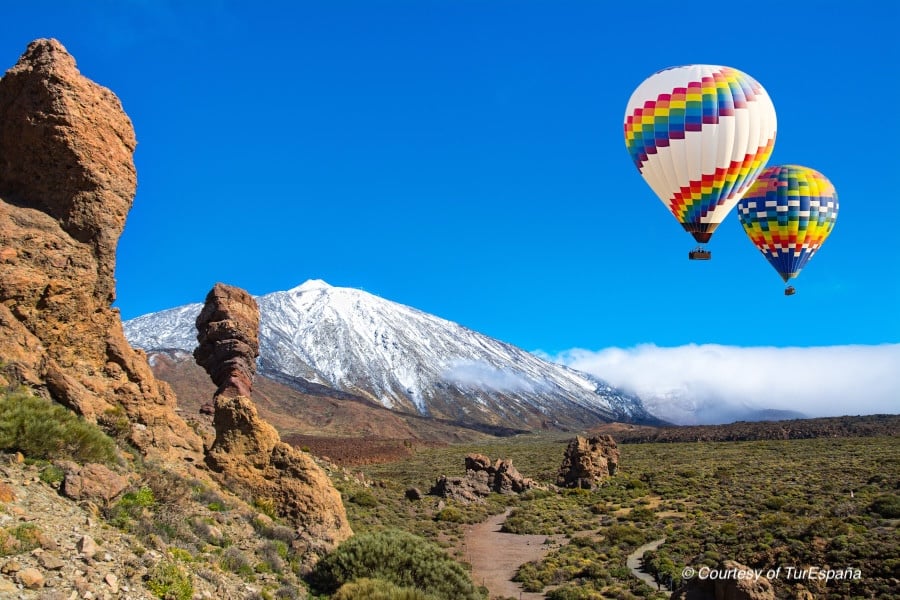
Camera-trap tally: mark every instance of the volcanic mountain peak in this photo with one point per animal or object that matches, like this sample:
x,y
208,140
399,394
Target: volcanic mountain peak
x,y
406,360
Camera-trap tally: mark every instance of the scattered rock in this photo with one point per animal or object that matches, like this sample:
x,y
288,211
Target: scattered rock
x,y
414,493
51,562
587,461
10,566
732,588
113,582
482,478
87,546
7,587
94,482
31,578
46,542
742,589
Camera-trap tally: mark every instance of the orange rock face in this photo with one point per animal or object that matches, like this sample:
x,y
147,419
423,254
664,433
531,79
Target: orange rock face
x,y
67,182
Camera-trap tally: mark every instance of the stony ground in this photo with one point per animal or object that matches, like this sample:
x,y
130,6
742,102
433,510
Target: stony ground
x,y
73,553
78,555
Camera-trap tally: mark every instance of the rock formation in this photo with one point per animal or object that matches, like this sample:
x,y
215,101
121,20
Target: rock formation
x,y
67,182
247,453
587,461
228,339
482,478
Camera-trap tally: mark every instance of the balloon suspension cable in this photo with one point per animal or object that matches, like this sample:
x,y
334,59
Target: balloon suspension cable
x,y
699,253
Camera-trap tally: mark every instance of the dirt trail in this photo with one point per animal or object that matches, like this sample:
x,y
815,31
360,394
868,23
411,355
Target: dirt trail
x,y
495,556
634,562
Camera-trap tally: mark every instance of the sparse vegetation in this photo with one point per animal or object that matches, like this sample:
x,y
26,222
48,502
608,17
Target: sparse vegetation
x,y
765,504
18,539
762,503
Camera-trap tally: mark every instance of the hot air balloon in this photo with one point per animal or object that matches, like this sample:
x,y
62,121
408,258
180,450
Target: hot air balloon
x,y
787,213
700,135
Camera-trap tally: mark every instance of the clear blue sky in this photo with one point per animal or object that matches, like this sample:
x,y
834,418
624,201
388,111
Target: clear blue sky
x,y
466,158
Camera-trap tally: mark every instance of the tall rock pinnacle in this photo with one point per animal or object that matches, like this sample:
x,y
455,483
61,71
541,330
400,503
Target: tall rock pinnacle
x,y
247,452
67,182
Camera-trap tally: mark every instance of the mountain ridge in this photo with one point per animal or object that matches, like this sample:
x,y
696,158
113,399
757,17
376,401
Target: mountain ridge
x,y
406,360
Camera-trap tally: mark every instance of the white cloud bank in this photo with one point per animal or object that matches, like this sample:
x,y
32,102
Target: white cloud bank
x,y
718,384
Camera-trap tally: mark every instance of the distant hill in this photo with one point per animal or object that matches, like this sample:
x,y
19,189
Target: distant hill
x,y
823,427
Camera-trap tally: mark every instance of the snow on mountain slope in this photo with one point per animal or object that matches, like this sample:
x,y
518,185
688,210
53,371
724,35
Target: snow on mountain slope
x,y
405,359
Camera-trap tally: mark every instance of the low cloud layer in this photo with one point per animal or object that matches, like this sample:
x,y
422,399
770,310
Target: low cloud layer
x,y
718,384
481,375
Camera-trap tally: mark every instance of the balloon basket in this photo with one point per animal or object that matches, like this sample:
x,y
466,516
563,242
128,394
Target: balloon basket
x,y
699,254
789,291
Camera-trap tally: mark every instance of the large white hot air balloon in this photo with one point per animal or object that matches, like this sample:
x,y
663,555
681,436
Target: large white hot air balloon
x,y
700,135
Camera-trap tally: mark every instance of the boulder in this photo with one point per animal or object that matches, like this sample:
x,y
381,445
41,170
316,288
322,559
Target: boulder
x,y
587,461
93,482
482,478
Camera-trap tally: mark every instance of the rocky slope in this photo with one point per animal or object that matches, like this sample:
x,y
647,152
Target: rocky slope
x,y
405,360
67,181
69,550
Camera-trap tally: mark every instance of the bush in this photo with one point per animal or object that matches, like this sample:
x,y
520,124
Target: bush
x,y
887,506
52,474
169,582
40,429
377,589
235,561
400,558
364,498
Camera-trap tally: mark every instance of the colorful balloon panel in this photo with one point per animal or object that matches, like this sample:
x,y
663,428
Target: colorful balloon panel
x,y
699,135
788,213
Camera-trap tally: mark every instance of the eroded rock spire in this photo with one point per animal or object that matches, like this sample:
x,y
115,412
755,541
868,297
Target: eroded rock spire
x,y
247,452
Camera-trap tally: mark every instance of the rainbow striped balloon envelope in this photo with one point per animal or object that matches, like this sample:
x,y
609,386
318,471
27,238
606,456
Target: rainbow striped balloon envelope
x,y
700,135
788,213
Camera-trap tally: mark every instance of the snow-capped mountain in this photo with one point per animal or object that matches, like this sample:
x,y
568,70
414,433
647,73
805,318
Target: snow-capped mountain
x,y
405,359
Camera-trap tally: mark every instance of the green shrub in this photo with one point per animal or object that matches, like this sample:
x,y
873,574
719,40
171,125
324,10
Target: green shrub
x,y
266,506
574,593
398,557
52,474
377,589
364,498
169,582
40,429
887,506
130,508
450,514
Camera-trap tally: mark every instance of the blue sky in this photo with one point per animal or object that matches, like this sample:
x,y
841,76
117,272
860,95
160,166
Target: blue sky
x,y
466,158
